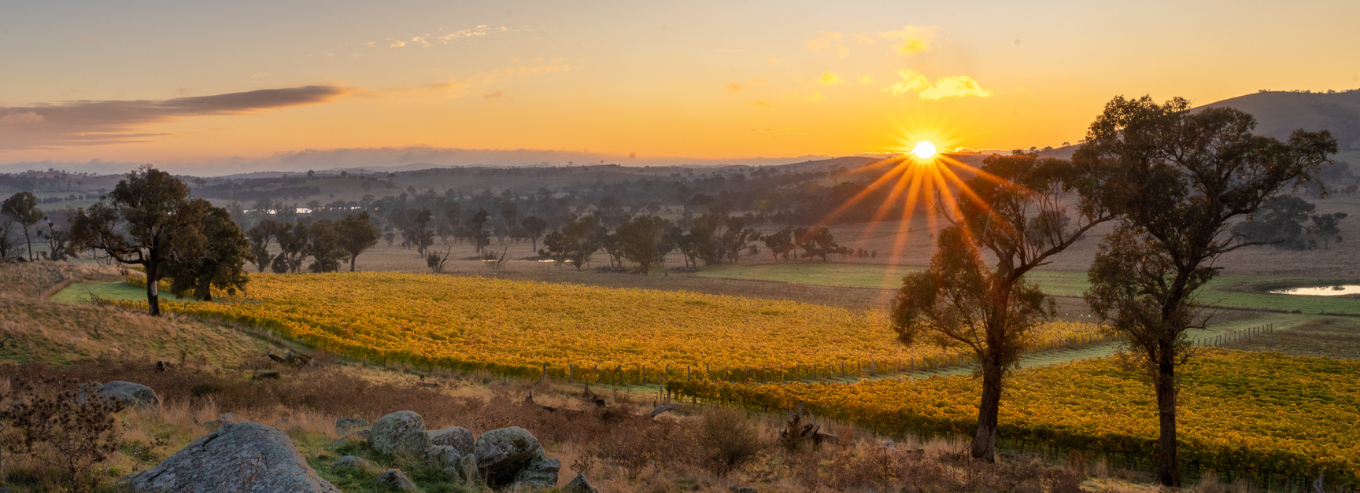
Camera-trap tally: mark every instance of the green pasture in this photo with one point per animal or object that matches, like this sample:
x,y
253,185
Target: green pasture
x,y
84,292
1223,291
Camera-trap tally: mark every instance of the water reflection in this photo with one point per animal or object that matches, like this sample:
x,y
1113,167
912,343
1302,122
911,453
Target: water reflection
x,y
1341,290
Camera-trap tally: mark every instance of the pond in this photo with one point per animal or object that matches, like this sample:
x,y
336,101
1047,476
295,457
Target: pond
x,y
1341,290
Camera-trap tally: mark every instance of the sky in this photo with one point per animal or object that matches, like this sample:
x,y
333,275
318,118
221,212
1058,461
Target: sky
x,y
224,87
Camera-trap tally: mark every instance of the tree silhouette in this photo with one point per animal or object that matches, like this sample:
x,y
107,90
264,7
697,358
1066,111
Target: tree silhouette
x,y
1178,178
1022,213
535,226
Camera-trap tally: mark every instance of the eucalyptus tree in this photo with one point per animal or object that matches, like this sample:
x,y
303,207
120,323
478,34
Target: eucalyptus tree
x,y
1021,210
23,208
1178,179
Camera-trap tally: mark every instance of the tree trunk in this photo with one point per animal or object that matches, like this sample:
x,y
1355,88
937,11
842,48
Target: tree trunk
x,y
28,243
1168,467
351,261
984,443
153,302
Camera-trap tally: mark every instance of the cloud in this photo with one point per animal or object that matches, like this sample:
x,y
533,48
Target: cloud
x,y
955,87
864,79
944,87
761,104
492,95
911,81
396,43
830,78
75,123
481,30
912,39
18,119
428,40
735,87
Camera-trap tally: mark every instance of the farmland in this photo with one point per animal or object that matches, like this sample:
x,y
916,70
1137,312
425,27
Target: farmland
x,y
517,327
1230,291
1241,412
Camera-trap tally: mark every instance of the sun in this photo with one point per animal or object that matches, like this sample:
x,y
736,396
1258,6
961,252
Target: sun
x,y
924,150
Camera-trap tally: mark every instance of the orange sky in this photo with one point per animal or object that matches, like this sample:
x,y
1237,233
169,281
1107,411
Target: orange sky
x,y
705,80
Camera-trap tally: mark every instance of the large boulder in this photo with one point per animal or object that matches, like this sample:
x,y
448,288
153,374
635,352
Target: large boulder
x,y
217,462
130,394
541,472
399,433
454,436
353,464
503,453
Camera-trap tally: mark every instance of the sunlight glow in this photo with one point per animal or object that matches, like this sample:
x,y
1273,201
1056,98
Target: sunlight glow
x,y
924,150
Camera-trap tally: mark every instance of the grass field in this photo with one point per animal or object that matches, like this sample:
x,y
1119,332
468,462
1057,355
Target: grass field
x,y
1224,291
1240,412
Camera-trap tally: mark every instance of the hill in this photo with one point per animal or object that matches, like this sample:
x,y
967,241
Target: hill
x,y
1278,113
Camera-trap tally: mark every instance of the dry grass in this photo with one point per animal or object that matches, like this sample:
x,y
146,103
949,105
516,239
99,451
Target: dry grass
x,y
39,330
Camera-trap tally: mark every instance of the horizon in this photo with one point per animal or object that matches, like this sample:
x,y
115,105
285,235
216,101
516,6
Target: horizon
x,y
544,84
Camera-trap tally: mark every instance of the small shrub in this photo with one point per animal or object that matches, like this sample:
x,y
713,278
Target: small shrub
x,y
65,434
729,439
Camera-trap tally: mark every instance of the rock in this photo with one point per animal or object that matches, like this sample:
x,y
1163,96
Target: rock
x,y
350,463
347,426
439,457
454,436
467,469
502,453
540,473
579,485
246,457
130,394
395,480
399,433
223,420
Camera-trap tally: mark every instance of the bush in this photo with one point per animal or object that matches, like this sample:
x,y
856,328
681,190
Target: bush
x,y
65,431
729,439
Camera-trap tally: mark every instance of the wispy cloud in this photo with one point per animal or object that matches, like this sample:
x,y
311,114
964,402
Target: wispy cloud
x,y
735,87
911,39
86,122
493,95
830,78
944,87
428,40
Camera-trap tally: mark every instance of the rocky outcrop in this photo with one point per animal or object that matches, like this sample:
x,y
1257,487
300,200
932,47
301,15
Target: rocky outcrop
x,y
399,433
454,436
244,457
130,394
503,453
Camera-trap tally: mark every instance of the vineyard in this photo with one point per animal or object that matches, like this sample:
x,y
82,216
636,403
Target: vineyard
x,y
582,332
1266,415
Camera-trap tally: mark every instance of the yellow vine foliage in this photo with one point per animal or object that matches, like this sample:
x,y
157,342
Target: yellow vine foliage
x,y
1253,413
518,326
